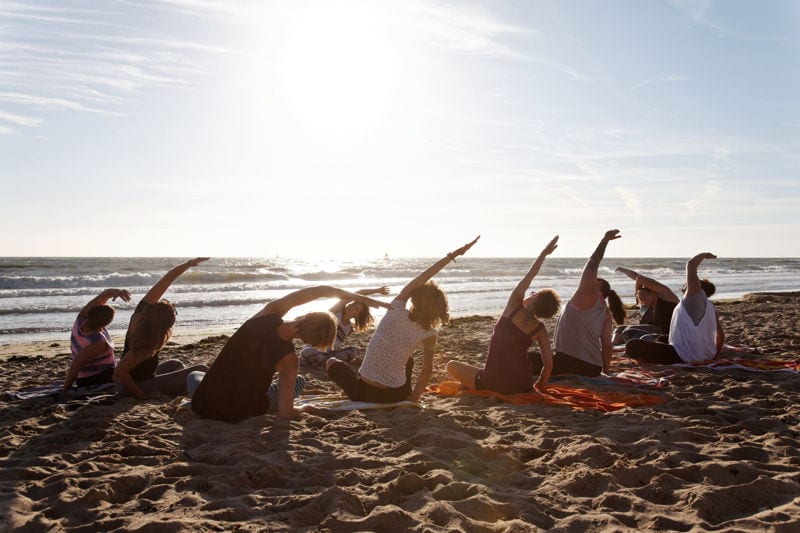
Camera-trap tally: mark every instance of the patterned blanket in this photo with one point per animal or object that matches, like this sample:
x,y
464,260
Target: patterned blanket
x,y
54,389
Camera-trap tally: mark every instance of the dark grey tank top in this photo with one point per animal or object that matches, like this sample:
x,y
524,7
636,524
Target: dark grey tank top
x,y
578,332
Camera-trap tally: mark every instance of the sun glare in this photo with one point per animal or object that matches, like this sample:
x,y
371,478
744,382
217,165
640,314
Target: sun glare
x,y
337,70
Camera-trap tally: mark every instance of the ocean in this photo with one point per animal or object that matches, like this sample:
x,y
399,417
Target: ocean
x,y
39,297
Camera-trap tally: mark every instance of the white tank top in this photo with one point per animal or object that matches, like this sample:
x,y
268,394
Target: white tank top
x,y
694,343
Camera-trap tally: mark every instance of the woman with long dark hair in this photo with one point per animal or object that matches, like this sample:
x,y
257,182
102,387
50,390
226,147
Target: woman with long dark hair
x,y
583,331
139,372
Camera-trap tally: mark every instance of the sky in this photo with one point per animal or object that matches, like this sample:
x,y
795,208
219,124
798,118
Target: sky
x,y
346,129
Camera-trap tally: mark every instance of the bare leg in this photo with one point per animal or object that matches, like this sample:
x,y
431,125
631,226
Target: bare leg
x,y
463,372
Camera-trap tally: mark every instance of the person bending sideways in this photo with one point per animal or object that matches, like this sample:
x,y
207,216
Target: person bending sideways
x,y
695,333
239,383
93,360
139,373
509,367
656,304
583,330
385,373
346,312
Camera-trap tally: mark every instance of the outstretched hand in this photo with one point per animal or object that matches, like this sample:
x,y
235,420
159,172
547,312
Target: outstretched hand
x,y
612,234
122,294
196,261
463,249
382,290
551,246
701,256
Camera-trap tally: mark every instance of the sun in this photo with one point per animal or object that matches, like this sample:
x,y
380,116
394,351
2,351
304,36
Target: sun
x,y
337,69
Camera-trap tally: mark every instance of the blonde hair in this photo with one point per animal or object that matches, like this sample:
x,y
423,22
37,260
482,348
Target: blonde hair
x,y
317,329
429,306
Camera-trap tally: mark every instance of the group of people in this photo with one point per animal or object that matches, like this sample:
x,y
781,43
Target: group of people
x,y
239,382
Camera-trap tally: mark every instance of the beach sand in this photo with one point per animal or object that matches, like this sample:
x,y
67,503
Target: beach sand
x,y
721,454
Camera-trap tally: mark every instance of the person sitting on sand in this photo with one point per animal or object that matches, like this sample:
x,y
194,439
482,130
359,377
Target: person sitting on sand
x,y
346,312
139,373
656,303
695,334
508,369
583,330
92,349
385,373
239,383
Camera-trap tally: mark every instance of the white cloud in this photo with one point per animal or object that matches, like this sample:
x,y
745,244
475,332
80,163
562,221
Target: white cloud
x,y
19,119
709,195
631,200
666,79
47,102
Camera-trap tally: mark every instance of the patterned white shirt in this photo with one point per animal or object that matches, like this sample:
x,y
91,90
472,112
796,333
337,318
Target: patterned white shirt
x,y
391,346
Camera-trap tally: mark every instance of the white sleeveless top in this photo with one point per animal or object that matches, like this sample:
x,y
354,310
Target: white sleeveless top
x,y
391,346
694,343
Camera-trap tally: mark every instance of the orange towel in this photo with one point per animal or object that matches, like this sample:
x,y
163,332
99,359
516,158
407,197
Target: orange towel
x,y
558,395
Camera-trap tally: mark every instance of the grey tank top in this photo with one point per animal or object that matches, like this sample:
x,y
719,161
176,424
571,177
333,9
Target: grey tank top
x,y
578,332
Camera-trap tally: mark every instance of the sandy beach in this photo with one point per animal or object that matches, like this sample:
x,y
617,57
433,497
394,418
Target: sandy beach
x,y
721,454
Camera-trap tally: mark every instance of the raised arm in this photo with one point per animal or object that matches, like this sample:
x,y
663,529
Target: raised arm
x,y
586,294
663,292
518,294
692,279
432,270
281,306
158,290
105,296
340,305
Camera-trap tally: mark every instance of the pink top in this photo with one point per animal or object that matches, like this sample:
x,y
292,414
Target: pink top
x,y
78,341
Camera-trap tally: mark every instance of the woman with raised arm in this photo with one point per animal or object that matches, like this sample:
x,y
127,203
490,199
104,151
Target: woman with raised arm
x,y
583,331
385,373
346,312
139,373
656,303
508,368
239,383
92,349
695,334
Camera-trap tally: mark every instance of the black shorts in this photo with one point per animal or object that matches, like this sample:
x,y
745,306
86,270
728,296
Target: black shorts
x,y
565,364
359,390
104,376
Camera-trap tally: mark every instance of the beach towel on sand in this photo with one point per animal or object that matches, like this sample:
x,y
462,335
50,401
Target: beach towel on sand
x,y
624,379
557,395
342,403
748,364
333,403
54,389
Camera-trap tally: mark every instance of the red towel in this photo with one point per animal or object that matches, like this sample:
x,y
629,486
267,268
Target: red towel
x,y
558,395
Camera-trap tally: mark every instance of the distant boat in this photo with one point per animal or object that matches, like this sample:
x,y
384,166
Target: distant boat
x,y
386,256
